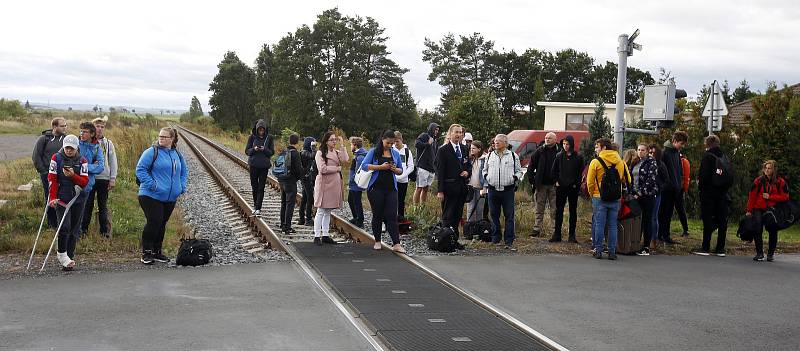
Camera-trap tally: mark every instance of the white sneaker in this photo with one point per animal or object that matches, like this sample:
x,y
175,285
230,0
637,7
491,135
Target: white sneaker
x,y
257,213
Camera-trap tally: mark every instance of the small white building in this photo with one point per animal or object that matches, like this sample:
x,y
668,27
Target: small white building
x,y
578,115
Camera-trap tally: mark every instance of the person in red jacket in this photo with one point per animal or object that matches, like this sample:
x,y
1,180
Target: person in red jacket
x,y
67,169
768,190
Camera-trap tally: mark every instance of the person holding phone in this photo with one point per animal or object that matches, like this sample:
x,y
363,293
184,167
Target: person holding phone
x,y
385,163
259,150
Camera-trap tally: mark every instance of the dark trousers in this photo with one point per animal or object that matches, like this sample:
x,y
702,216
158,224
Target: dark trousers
x,y
562,195
356,207
52,218
307,203
453,205
665,213
681,209
100,190
759,238
156,213
70,228
402,189
288,200
258,180
714,212
648,204
502,200
384,210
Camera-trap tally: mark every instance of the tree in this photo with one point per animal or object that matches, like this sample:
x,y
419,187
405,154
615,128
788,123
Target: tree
x,y
27,105
477,110
599,127
195,109
233,97
742,93
265,84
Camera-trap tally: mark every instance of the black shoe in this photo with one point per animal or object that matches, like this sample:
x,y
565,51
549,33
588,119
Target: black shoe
x,y
328,240
317,241
160,257
770,258
301,222
289,230
310,223
535,234
555,239
147,257
612,256
597,254
460,246
572,239
669,240
105,235
759,258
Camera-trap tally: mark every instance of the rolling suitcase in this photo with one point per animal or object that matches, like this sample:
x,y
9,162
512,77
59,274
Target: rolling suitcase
x,y
629,235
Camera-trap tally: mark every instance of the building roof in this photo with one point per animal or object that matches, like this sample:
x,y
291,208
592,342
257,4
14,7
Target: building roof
x,y
739,113
584,104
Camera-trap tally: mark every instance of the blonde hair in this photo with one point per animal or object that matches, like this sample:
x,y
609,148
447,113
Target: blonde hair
x,y
173,133
630,157
770,162
454,126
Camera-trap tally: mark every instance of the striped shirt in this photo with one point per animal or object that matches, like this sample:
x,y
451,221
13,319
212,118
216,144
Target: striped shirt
x,y
502,170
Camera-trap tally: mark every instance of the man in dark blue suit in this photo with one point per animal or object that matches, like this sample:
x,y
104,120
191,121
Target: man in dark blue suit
x,y
453,170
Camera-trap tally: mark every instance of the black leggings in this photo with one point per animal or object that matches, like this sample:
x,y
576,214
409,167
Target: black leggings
x,y
564,194
384,210
258,180
307,202
70,227
648,204
402,189
157,214
759,239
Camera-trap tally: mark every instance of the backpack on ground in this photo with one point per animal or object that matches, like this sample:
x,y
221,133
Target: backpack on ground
x,y
283,164
723,172
610,186
480,229
441,238
194,252
749,227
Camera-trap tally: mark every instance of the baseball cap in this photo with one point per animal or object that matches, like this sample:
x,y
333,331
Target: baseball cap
x,y
468,136
71,141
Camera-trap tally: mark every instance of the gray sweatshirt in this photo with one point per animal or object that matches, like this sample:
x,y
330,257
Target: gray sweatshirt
x,y
110,154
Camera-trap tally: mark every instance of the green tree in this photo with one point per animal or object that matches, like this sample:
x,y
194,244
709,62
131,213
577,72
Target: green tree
x,y
233,97
477,110
195,109
599,127
265,84
11,108
742,93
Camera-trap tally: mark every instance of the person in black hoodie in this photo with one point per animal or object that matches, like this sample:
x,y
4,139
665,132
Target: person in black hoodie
x,y
307,181
46,146
673,188
714,200
260,148
426,168
540,176
288,183
567,170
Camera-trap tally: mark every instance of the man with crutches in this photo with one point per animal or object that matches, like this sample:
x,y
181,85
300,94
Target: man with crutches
x,y
67,169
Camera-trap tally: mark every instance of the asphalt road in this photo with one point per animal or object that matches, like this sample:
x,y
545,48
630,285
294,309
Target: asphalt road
x,y
16,146
641,303
243,307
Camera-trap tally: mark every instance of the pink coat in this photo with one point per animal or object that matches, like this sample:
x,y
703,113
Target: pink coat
x,y
328,184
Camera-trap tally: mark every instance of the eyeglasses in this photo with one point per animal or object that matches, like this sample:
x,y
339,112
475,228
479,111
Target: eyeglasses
x,y
85,132
164,137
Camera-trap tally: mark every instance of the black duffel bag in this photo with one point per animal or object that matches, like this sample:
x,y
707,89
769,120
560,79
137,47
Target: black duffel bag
x,y
781,216
749,227
441,238
194,252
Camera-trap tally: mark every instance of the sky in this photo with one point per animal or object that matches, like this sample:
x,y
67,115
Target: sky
x,y
161,53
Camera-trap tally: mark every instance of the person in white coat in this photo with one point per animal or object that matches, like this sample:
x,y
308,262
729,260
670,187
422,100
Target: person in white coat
x,y
402,179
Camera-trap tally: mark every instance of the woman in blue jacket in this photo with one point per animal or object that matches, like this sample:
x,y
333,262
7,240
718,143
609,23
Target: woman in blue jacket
x,y
162,173
89,148
386,165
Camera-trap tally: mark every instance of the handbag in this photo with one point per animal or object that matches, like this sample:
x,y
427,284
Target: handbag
x,y
362,178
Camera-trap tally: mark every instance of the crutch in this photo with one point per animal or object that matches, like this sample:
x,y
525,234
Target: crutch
x,y
78,191
38,233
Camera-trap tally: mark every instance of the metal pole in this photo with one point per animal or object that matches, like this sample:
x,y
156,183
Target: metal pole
x,y
622,70
711,103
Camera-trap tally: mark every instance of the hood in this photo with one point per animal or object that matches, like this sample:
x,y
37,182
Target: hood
x,y
715,151
360,152
260,124
571,142
48,132
668,144
431,128
610,156
307,144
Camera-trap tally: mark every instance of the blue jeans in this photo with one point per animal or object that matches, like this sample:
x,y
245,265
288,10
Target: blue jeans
x,y
605,213
502,200
655,217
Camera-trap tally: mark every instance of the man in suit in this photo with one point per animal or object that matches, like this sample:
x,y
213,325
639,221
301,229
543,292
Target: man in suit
x,y
453,171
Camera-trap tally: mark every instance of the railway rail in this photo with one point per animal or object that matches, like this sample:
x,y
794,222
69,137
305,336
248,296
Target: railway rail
x,y
393,300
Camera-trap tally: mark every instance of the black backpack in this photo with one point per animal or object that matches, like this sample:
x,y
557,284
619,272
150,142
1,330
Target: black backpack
x,y
194,252
723,172
482,228
441,238
610,186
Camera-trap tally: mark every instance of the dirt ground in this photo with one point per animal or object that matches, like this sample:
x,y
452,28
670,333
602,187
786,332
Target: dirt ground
x,y
13,147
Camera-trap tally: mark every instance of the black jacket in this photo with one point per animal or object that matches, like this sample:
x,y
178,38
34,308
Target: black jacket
x,y
307,158
449,168
672,159
46,146
708,166
541,165
260,158
295,163
662,177
567,168
426,153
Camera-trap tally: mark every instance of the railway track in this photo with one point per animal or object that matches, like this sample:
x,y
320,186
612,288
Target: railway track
x,y
394,301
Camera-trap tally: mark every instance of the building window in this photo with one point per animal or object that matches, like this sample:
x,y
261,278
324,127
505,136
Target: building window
x,y
578,121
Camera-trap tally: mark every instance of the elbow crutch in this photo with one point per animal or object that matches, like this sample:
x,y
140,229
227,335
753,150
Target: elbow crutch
x,y
78,191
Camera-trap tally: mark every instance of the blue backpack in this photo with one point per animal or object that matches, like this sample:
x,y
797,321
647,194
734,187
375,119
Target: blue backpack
x,y
281,168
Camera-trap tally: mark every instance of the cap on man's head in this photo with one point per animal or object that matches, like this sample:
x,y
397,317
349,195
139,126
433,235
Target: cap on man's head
x,y
103,120
71,141
468,136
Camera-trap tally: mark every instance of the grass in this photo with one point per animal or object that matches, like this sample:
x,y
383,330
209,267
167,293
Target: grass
x,y
20,217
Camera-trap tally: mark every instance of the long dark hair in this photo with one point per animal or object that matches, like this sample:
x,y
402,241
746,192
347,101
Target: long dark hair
x,y
324,145
387,134
656,151
479,145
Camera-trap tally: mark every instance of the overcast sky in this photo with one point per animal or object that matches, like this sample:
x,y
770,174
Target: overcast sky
x,y
160,53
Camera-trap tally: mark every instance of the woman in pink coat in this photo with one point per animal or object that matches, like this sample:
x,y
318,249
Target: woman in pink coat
x,y
328,185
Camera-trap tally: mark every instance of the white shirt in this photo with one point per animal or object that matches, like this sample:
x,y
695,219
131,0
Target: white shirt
x,y
408,166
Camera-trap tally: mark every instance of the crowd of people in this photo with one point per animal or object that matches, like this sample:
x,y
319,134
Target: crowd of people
x,y
76,170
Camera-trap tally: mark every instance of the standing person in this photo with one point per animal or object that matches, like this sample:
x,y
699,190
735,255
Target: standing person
x,y
502,171
453,171
680,205
260,148
288,184
672,189
385,163
605,211
567,170
645,187
661,179
103,183
714,200
67,168
162,172
426,155
540,176
402,180
467,140
89,148
477,182
307,181
768,190
355,193
46,146
328,184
